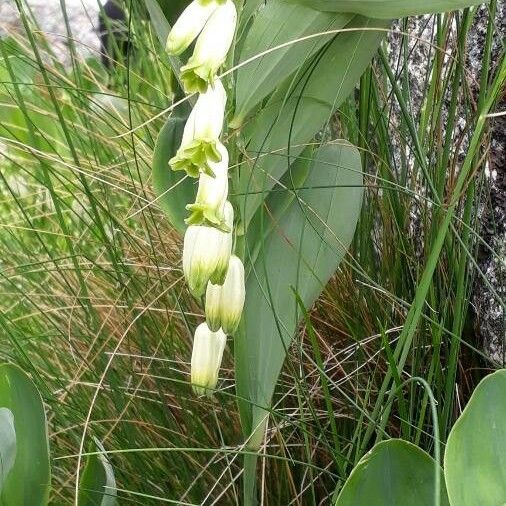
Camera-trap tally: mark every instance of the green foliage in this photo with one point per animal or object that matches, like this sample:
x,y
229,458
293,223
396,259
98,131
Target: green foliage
x,y
158,16
396,471
173,189
296,112
387,9
172,8
28,481
89,261
262,76
98,485
308,240
393,472
7,444
475,457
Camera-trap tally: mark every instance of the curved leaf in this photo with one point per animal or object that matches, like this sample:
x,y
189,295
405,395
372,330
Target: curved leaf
x,y
7,444
307,242
173,189
28,482
286,125
157,16
277,23
393,472
387,9
475,458
98,485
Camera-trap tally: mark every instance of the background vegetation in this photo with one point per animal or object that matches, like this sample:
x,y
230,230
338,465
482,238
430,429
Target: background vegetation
x,y
93,303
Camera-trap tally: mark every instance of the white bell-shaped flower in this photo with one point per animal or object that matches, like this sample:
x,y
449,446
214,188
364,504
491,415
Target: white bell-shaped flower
x,y
199,146
189,24
206,253
224,303
212,193
211,49
207,354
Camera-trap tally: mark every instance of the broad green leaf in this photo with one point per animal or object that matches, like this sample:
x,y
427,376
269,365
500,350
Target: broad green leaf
x,y
249,9
162,29
172,8
158,20
173,189
7,444
276,24
279,133
98,485
28,482
278,203
301,254
394,472
475,458
387,9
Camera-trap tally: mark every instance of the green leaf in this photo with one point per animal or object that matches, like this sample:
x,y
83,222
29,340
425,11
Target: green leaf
x,y
475,458
387,9
158,20
28,482
279,133
7,444
278,23
278,202
98,485
249,9
162,29
173,189
172,8
393,472
302,252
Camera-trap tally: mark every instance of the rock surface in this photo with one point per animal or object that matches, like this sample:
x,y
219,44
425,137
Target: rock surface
x,y
487,298
83,21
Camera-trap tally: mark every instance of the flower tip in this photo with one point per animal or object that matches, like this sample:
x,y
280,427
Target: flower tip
x,y
174,46
208,347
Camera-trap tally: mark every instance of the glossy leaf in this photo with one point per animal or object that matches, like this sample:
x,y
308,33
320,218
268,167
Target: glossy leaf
x,y
28,482
98,484
393,472
276,24
173,189
475,458
387,9
279,133
7,444
307,242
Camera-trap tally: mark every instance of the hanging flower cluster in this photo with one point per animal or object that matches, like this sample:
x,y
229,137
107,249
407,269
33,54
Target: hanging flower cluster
x,y
209,266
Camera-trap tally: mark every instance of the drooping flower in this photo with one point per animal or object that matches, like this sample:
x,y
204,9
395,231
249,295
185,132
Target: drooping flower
x,y
209,205
211,49
189,24
199,146
208,347
206,253
224,303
